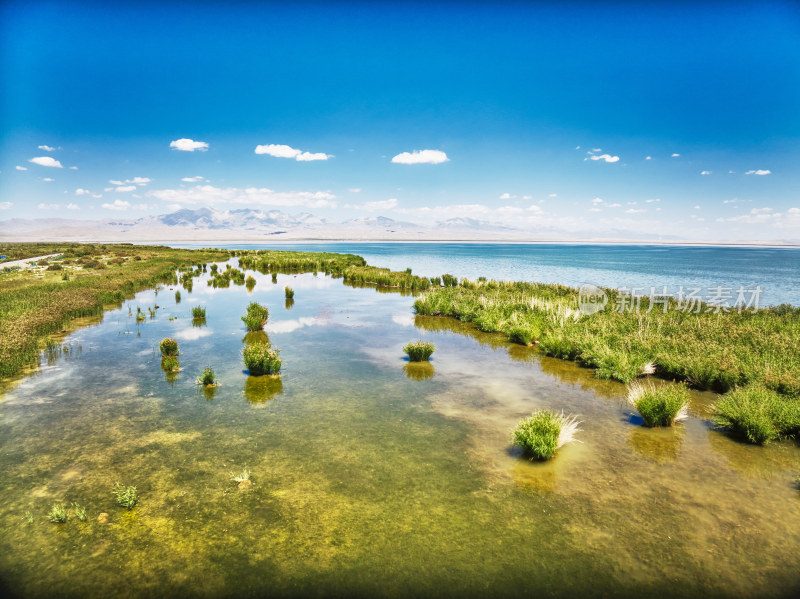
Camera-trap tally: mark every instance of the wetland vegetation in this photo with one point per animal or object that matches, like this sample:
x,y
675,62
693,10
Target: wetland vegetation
x,y
379,475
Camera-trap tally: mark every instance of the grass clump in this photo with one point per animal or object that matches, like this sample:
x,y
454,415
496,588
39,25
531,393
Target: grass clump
x,y
260,358
758,414
177,297
168,347
419,350
289,292
199,312
207,377
29,515
659,405
543,432
57,513
125,496
80,512
256,317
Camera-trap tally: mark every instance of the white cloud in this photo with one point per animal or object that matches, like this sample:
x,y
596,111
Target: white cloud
x,y
117,205
634,210
615,205
284,151
46,161
193,334
373,206
141,181
125,188
763,215
49,206
48,179
82,192
527,197
188,145
71,206
759,172
21,168
507,196
6,205
760,210
606,158
47,148
597,201
654,200
421,157
597,149
210,195
287,326
648,157
192,179
354,190
705,172
675,156
553,195
534,208
697,207
73,168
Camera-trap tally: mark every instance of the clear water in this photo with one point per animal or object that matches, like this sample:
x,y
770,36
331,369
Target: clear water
x,y
775,270
370,475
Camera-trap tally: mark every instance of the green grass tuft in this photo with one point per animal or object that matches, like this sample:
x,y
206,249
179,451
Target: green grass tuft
x,y
543,432
170,364
419,350
168,347
198,312
758,414
125,496
289,292
256,317
242,476
80,512
177,297
260,358
207,377
659,405
57,513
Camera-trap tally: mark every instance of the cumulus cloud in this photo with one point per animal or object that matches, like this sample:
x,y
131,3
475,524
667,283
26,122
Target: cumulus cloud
x,y
82,192
124,188
117,205
284,151
354,190
653,201
705,172
605,157
6,205
49,206
47,148
72,206
192,179
373,206
140,181
553,195
648,157
759,172
188,145
597,201
210,195
421,157
675,156
21,168
73,168
634,210
46,161
48,179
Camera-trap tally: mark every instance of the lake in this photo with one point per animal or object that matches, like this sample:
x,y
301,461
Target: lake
x,y
641,267
370,475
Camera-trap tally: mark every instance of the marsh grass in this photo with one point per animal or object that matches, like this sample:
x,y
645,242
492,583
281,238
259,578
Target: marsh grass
x,y
170,364
256,317
383,277
543,433
758,414
275,277
199,312
177,297
288,292
57,513
260,359
80,512
419,351
168,347
659,405
207,377
126,496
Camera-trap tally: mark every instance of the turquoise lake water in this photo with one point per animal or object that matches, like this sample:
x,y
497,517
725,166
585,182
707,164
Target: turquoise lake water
x,y
775,270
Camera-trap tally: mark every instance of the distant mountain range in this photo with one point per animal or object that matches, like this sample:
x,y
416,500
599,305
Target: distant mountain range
x,y
247,224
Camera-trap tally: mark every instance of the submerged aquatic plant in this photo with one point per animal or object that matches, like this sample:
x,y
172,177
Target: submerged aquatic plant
x,y
168,347
198,312
28,517
125,496
256,317
419,350
543,432
207,377
261,359
242,476
659,405
57,513
80,512
289,292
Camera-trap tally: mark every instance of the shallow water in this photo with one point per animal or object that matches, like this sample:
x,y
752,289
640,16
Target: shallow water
x,y
370,475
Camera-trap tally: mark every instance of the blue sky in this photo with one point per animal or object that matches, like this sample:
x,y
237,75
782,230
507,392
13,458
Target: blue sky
x,y
676,119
